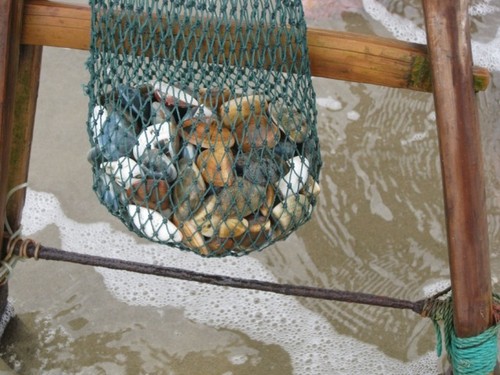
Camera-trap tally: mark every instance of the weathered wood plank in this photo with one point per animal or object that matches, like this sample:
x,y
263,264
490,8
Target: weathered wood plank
x,y
336,55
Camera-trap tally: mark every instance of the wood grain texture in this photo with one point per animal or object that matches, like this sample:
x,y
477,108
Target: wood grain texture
x,y
335,55
26,94
10,33
448,37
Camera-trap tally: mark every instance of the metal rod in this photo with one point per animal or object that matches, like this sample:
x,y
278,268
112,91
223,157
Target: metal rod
x,y
34,250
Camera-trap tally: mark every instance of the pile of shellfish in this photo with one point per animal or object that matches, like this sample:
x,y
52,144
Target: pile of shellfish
x,y
209,170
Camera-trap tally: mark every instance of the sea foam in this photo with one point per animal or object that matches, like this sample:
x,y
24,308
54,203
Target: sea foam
x,y
314,346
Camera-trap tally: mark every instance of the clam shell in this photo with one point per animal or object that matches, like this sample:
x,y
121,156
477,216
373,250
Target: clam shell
x,y
188,152
232,227
261,168
157,165
124,170
158,113
258,132
268,204
291,212
235,111
216,166
311,188
213,97
257,234
188,190
290,121
240,199
152,224
170,90
191,237
150,193
136,104
179,102
106,190
117,137
286,149
162,135
296,178
205,219
207,134
219,245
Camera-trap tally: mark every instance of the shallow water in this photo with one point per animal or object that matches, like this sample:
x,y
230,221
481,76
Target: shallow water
x,y
378,228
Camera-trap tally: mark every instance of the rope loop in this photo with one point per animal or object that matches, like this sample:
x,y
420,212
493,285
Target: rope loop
x,y
22,246
470,355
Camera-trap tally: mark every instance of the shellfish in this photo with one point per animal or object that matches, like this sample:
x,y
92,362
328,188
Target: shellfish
x,y
257,132
235,111
206,133
117,137
159,136
157,165
150,193
125,171
240,199
153,225
216,166
292,212
296,177
290,121
188,190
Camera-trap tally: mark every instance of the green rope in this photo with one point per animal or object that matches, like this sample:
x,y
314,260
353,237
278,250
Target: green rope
x,y
471,355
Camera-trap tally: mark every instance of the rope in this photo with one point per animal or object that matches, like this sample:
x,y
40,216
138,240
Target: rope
x,y
10,260
470,355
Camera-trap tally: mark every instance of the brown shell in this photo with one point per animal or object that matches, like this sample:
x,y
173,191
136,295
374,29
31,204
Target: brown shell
x,y
150,193
190,236
206,134
213,97
237,110
258,132
216,166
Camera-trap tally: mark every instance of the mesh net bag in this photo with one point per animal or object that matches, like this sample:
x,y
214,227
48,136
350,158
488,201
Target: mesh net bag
x,y
202,120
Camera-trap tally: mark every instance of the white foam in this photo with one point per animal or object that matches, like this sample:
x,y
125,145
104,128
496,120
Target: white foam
x,y
486,54
353,115
314,346
329,103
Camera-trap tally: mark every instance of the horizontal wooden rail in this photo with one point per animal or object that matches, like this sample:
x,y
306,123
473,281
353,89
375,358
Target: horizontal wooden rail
x,y
336,55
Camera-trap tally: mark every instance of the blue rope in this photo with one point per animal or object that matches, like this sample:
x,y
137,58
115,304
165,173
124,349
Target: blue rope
x,y
469,356
474,355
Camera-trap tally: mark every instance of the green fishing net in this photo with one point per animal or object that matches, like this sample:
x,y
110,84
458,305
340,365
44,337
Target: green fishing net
x,y
202,120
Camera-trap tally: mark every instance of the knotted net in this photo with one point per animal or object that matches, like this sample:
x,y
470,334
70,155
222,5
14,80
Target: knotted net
x,y
202,120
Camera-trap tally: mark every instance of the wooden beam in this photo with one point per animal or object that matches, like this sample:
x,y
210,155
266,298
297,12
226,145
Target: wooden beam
x,y
448,37
335,55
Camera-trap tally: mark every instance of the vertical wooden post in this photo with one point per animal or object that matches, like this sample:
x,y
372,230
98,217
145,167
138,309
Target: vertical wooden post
x,y
26,95
448,39
10,36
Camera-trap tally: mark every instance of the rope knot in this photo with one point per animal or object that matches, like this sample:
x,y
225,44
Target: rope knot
x,y
470,355
17,248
